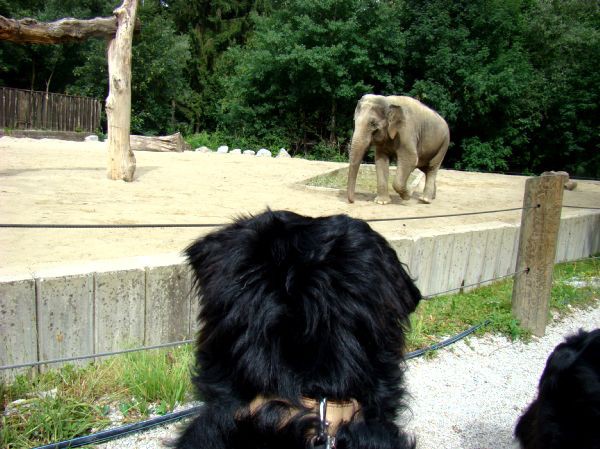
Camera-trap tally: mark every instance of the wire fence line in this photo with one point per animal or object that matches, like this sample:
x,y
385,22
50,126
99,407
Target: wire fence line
x,y
170,225
582,207
217,225
462,287
183,342
92,356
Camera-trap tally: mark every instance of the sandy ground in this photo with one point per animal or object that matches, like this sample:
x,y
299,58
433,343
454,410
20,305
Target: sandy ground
x,y
58,182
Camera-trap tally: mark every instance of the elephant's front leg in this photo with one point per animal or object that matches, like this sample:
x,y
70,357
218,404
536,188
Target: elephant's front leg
x,y
382,168
407,162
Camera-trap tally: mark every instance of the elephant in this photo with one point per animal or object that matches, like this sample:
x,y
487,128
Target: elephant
x,y
403,128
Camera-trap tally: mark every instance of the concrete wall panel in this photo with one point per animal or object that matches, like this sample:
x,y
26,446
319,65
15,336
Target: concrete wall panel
x,y
441,263
460,258
167,316
420,266
18,342
119,304
476,258
65,316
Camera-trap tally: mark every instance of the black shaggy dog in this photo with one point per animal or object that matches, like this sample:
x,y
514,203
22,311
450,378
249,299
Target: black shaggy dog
x,y
302,334
566,412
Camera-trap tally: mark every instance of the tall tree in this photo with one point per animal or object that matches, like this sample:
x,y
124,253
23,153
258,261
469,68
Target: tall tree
x,y
466,59
563,40
515,79
212,26
160,89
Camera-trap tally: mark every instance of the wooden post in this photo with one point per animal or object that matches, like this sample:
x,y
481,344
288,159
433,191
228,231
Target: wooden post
x,y
540,221
121,161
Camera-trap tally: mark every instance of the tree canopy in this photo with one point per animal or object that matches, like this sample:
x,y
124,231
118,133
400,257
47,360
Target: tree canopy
x,y
515,79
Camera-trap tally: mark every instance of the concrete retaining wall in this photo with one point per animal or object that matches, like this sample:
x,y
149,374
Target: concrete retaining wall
x,y
144,301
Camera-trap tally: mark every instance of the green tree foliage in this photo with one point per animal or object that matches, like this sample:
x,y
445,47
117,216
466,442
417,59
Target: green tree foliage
x,y
466,59
212,26
306,64
563,40
514,79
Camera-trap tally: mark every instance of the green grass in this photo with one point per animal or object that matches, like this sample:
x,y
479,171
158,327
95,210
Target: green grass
x,y
74,401
450,314
366,181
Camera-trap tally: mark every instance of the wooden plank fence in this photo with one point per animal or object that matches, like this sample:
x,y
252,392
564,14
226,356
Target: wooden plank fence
x,y
27,109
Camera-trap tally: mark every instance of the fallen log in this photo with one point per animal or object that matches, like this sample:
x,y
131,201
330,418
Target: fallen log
x,y
174,142
30,31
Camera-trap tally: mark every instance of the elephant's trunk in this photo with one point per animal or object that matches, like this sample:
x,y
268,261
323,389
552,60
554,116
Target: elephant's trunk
x,y
358,148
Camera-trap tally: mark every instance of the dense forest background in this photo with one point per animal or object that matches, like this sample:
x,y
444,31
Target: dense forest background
x,y
517,80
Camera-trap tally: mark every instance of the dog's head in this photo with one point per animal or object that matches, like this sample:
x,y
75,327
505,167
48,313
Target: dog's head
x,y
566,411
292,305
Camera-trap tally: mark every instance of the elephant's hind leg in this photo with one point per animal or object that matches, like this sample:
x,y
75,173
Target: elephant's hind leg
x,y
430,184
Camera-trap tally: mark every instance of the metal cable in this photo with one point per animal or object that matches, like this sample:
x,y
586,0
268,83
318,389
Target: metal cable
x,y
372,220
109,226
526,270
213,225
582,207
216,225
93,356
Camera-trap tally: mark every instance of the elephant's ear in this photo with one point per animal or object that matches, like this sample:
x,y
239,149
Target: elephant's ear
x,y
357,110
395,117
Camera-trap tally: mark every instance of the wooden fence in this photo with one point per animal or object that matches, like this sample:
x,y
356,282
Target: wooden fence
x,y
27,109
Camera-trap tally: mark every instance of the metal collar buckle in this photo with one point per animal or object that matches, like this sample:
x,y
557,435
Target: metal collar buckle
x,y
323,440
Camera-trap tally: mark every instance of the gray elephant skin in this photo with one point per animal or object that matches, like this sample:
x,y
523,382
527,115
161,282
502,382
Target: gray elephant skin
x,y
402,128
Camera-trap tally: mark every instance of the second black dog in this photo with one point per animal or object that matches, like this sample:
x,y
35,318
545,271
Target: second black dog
x,y
302,335
566,412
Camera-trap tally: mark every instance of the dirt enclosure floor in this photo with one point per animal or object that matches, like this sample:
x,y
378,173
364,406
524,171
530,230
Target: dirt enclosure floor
x,y
59,182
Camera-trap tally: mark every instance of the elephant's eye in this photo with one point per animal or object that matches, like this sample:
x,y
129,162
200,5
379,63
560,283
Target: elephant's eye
x,y
373,124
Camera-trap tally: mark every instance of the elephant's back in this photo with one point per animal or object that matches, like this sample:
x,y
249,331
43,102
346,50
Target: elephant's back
x,y
422,112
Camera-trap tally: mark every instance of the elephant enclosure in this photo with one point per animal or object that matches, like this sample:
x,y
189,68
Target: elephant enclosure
x,y
59,182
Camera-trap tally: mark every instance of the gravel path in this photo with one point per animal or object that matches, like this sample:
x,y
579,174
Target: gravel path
x,y
469,396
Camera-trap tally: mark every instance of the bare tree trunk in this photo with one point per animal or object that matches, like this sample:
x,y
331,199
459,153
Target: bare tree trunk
x,y
121,161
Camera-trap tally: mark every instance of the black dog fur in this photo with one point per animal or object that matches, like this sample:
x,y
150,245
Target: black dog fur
x,y
296,307
566,412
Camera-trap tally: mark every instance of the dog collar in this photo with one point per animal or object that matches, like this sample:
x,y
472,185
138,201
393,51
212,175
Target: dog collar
x,y
332,414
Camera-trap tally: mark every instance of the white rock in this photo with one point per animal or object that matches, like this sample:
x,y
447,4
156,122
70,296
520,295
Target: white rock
x,y
92,138
283,153
203,150
263,152
249,152
236,151
223,149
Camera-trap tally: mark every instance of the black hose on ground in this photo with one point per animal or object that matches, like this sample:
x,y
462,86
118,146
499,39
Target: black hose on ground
x,y
119,432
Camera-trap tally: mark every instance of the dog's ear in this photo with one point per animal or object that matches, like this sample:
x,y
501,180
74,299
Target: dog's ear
x,y
579,352
205,256
216,256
